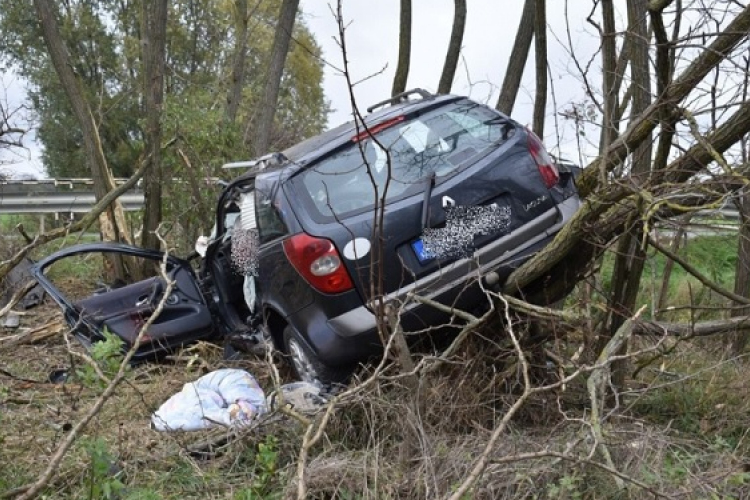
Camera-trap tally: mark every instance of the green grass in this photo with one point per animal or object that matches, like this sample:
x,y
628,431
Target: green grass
x,y
714,256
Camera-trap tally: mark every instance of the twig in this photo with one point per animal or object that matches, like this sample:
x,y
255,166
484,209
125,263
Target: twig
x,y
697,274
596,385
483,459
33,489
20,293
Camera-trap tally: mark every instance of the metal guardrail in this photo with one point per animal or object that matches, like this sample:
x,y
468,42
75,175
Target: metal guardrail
x,y
75,202
57,196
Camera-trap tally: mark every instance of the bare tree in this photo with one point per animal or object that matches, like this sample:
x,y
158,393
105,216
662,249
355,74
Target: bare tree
x,y
113,225
153,43
454,48
742,269
11,134
237,79
267,107
540,56
404,49
609,72
517,59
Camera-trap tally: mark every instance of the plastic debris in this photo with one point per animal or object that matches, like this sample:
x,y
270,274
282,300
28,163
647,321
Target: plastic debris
x,y
12,320
303,397
228,397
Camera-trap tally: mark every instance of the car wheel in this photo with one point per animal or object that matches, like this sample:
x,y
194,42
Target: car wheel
x,y
306,364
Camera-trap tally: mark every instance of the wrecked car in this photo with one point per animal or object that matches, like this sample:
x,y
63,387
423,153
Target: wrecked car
x,y
428,196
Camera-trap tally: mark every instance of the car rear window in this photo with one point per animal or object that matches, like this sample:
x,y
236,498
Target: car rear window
x,y
438,142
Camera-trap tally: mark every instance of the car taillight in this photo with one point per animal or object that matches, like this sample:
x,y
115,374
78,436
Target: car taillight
x,y
544,162
318,261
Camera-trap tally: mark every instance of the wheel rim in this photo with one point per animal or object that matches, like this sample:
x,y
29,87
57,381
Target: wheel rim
x,y
301,361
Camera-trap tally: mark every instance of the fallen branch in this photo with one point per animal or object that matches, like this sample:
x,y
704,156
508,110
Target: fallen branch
x,y
33,489
81,225
34,335
597,387
20,293
697,274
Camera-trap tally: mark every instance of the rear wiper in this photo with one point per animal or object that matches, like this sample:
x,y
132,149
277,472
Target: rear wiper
x,y
426,200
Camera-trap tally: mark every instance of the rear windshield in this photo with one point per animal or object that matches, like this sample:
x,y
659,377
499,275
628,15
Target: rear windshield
x,y
438,142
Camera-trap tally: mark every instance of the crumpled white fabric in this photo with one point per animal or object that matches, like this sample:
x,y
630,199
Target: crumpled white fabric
x,y
228,397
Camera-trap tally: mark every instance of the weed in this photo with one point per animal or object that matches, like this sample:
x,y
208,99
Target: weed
x,y
265,473
108,355
104,476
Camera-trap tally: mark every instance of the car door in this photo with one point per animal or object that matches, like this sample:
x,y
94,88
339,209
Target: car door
x,y
123,309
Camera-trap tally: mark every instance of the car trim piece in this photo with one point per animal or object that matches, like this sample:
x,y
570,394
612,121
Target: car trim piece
x,y
484,260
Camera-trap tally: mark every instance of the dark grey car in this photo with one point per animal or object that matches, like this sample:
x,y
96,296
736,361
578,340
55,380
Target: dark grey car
x,y
427,197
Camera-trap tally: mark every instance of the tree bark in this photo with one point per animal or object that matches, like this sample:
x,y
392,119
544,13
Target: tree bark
x,y
404,49
454,48
517,59
609,72
112,222
267,107
153,46
234,96
631,256
637,131
540,56
742,269
602,217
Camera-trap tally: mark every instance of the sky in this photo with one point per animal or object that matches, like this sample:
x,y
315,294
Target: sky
x,y
372,43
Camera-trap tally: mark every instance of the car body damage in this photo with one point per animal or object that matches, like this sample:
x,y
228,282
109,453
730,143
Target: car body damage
x,y
124,310
434,195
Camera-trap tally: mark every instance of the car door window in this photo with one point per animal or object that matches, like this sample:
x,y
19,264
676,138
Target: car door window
x,y
270,224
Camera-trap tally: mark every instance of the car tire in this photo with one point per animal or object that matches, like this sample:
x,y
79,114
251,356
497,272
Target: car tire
x,y
306,364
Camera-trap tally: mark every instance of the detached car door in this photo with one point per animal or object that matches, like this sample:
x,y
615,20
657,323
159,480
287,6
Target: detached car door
x,y
91,308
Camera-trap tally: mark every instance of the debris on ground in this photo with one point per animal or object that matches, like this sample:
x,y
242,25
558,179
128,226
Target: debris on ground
x,y
12,320
17,279
33,335
228,397
231,397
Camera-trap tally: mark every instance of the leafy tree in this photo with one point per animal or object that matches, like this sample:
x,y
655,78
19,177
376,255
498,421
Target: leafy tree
x,y
104,40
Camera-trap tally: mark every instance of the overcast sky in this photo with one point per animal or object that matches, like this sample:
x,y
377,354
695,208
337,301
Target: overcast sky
x,y
372,41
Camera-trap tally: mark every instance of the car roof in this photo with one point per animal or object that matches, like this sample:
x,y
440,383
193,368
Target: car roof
x,y
317,145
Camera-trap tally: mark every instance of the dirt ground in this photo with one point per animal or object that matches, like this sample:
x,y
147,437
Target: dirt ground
x,y
119,456
36,413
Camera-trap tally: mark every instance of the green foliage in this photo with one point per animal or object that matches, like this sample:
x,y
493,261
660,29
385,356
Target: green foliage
x,y
568,486
103,38
103,478
108,355
265,482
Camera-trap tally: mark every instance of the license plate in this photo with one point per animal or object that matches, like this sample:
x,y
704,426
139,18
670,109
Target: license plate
x,y
423,255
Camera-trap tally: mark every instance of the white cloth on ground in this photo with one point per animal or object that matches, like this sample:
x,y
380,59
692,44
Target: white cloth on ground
x,y
228,397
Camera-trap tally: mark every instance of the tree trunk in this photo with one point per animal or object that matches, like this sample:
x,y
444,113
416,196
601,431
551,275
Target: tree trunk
x,y
631,256
404,49
267,106
540,49
675,92
153,45
234,96
742,269
454,48
602,217
112,223
517,59
609,72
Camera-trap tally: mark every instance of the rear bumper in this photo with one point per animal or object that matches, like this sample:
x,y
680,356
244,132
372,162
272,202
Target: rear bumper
x,y
352,336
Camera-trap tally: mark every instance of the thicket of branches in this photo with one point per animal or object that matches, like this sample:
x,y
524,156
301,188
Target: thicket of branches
x,y
670,93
